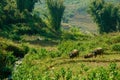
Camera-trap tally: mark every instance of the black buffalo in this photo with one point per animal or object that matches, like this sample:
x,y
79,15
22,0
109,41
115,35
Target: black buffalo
x,y
98,51
94,53
74,53
89,55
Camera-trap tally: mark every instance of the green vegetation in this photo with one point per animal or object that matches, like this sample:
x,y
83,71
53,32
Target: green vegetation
x,y
75,13
6,64
9,53
26,4
56,10
116,47
55,64
112,73
34,46
106,15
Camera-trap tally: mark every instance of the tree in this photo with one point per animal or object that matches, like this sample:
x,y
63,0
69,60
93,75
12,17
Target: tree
x,y
26,4
56,10
118,22
105,15
7,9
1,13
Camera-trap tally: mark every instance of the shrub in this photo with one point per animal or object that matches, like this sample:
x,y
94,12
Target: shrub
x,y
5,72
63,73
57,75
6,63
69,74
113,40
111,73
74,34
42,53
116,47
116,39
68,35
18,51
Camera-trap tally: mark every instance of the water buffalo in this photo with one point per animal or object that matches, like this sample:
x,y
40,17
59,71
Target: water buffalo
x,y
94,53
89,55
74,53
97,51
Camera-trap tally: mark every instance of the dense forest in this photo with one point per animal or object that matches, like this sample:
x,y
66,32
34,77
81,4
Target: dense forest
x,y
59,39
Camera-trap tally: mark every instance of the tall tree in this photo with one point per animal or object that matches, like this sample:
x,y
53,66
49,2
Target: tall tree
x,y
56,10
118,18
26,4
7,9
105,15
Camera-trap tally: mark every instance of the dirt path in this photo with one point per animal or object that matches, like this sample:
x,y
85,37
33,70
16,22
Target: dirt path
x,y
89,62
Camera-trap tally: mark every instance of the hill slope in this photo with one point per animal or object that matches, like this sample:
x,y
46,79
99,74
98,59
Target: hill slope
x,y
76,13
44,64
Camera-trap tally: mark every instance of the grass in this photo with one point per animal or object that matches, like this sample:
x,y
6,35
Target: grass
x,y
49,58
51,63
49,67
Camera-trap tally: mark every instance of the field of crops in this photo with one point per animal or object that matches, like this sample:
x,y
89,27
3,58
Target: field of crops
x,y
53,63
39,41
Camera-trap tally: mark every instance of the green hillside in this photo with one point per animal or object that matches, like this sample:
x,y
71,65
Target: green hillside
x,y
33,46
76,14
53,63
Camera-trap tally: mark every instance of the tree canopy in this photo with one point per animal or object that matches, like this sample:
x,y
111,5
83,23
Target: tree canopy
x,y
106,15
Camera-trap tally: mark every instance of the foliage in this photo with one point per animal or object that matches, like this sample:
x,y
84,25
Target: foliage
x,y
26,4
113,40
18,51
6,63
6,11
73,33
9,53
100,73
106,15
14,23
75,13
69,74
57,75
56,11
116,47
43,64
37,64
105,74
54,54
63,72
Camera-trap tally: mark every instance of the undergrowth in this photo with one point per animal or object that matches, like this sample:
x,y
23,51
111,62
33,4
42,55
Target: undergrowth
x,y
38,64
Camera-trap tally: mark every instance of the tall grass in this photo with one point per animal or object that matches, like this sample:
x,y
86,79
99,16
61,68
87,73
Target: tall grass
x,y
100,73
44,64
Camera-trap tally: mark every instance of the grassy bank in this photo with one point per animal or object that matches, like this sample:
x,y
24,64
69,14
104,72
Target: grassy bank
x,y
53,63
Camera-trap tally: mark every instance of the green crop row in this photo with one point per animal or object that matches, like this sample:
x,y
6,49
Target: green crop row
x,y
85,73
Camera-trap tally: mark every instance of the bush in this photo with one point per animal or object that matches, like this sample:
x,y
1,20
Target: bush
x,y
42,53
113,40
67,36
100,73
105,74
116,47
5,72
6,63
18,51
116,39
54,54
